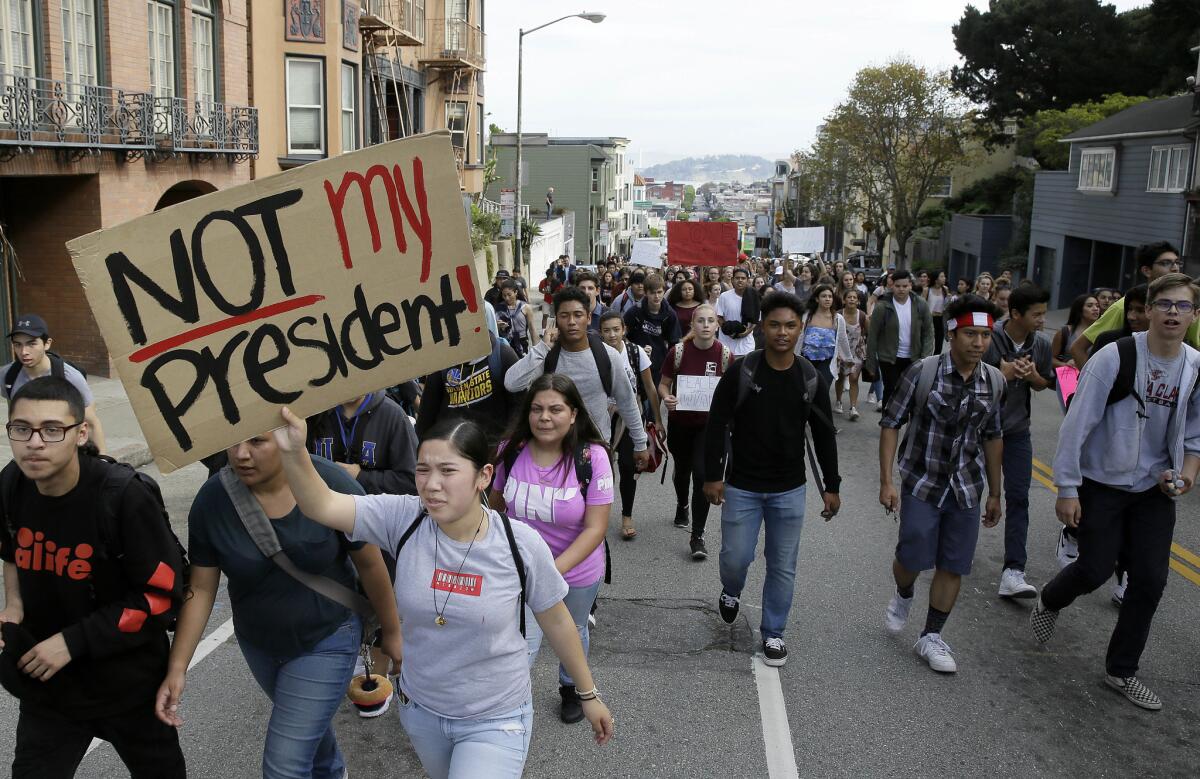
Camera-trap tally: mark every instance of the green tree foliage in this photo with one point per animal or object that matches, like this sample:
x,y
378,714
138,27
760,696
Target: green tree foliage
x,y
1025,56
485,228
1039,136
689,196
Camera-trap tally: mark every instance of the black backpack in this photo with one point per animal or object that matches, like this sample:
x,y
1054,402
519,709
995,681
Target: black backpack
x,y
599,354
1122,386
116,480
57,370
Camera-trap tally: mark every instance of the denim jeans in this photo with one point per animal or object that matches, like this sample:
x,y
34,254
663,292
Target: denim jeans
x,y
494,747
741,516
1018,469
306,691
579,602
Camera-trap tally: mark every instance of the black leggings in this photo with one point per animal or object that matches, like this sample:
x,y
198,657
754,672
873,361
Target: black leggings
x,y
686,445
627,471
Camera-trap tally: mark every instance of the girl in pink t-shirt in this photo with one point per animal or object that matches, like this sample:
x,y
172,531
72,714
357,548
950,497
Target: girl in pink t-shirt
x,y
538,482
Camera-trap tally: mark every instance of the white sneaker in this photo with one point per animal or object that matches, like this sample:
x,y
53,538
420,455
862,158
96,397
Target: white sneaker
x,y
933,650
1013,585
897,613
1118,590
879,406
853,414
1066,550
837,408
870,397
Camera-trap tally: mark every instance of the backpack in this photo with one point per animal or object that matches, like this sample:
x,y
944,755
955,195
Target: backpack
x,y
599,354
632,351
57,370
1122,386
929,368
116,480
726,356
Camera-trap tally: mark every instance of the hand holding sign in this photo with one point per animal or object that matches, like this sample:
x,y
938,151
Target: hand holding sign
x,y
293,435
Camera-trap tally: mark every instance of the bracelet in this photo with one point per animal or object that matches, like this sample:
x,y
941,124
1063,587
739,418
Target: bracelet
x,y
588,695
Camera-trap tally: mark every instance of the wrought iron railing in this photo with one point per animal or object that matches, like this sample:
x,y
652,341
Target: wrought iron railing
x,y
406,16
38,113
455,40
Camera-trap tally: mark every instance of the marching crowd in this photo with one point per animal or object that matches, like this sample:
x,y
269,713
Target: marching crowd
x,y
445,528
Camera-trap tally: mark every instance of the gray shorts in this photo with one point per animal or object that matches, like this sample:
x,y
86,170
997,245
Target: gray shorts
x,y
937,537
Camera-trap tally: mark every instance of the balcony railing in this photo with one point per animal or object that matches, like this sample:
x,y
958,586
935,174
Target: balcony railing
x,y
454,42
394,22
83,118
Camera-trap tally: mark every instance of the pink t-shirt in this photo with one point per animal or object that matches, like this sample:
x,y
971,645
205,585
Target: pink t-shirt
x,y
548,500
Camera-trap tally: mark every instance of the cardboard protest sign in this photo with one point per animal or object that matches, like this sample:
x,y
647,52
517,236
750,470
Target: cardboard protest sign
x,y
307,288
647,252
695,393
803,240
702,243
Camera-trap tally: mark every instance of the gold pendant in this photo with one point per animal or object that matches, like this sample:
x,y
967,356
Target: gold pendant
x,y
440,620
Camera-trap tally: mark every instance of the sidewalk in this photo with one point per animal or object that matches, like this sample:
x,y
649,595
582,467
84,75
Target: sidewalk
x,y
123,435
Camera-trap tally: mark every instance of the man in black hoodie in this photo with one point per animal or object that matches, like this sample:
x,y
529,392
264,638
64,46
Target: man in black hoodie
x,y
91,576
653,324
472,390
372,439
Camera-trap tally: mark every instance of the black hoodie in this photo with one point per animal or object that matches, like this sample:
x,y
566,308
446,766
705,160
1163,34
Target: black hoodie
x,y
659,331
380,439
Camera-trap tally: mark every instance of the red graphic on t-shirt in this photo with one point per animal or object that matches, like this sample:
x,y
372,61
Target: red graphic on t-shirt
x,y
461,583
35,552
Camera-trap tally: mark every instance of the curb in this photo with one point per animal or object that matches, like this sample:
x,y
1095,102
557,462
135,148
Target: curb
x,y
137,455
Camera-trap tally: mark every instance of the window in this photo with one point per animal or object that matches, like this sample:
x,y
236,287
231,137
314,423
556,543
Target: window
x,y
595,179
79,45
162,48
349,107
479,134
1097,169
941,186
305,105
17,55
1168,169
204,46
456,123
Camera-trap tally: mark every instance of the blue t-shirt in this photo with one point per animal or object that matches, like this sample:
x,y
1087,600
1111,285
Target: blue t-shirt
x,y
271,610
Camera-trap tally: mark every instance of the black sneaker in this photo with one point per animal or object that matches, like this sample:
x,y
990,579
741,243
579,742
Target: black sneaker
x,y
774,652
728,606
572,708
681,517
1042,620
1137,693
699,552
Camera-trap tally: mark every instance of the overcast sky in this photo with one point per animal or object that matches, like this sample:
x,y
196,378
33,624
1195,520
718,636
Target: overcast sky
x,y
693,77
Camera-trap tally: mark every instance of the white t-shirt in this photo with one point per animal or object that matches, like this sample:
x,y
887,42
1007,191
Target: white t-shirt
x,y
904,316
729,308
635,381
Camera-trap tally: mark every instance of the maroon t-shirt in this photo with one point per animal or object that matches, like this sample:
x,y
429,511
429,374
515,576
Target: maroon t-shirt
x,y
696,362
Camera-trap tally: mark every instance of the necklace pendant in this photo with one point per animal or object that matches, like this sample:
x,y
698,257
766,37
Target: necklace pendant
x,y
440,621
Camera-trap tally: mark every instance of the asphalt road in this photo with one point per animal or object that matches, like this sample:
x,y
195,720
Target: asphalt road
x,y
858,702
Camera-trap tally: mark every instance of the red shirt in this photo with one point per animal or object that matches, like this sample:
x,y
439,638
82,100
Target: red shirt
x,y
696,362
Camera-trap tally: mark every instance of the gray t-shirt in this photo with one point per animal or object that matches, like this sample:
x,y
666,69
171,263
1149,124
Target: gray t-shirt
x,y
69,373
1161,395
477,664
1017,398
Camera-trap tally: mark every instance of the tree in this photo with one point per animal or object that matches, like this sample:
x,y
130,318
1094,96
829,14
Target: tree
x,y
899,131
689,196
1162,35
1039,136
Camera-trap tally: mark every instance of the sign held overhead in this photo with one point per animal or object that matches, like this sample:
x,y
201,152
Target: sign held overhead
x,y
702,243
307,288
803,240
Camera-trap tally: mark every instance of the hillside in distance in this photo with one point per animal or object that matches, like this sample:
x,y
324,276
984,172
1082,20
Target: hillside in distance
x,y
715,167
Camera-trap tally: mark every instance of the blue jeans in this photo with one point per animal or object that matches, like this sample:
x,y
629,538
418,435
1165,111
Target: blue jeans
x,y
494,747
306,691
877,388
741,516
579,602
1018,469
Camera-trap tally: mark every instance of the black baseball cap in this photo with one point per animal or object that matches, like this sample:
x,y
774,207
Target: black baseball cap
x,y
30,324
502,274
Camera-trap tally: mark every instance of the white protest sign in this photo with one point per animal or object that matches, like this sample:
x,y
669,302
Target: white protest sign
x,y
803,240
648,252
695,393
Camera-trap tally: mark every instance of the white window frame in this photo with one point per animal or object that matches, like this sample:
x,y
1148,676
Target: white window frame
x,y
1168,168
319,62
1095,163
455,105
595,180
18,35
349,106
945,190
204,54
81,60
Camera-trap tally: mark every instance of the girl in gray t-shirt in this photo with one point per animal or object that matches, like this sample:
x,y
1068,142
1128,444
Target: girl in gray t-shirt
x,y
465,678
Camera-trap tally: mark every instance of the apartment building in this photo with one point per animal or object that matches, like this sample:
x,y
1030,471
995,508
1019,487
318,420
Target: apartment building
x,y
110,110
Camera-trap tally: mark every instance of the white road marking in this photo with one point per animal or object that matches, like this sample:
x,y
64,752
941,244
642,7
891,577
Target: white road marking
x,y
777,736
203,650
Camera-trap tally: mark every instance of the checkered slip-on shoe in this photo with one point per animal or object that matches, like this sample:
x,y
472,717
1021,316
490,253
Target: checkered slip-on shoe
x,y
1137,693
1042,620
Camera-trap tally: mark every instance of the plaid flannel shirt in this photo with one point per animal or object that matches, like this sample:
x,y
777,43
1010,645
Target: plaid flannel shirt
x,y
947,456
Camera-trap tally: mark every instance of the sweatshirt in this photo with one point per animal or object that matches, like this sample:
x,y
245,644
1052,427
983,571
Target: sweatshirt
x,y
380,439
1102,442
112,611
470,391
658,330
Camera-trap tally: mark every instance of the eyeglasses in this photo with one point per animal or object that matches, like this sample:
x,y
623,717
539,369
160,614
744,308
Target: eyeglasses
x,y
1182,306
51,434
1176,264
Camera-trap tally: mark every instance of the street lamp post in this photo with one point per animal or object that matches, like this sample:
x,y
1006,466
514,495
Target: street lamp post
x,y
594,18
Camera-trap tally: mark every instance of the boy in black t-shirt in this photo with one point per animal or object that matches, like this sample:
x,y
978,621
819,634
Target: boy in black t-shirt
x,y
85,644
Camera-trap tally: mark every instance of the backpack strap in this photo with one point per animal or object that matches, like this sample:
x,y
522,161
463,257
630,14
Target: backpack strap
x,y
495,364
726,357
412,528
520,563
603,363
583,468
996,381
678,352
1122,386
10,378
9,477
57,368
746,377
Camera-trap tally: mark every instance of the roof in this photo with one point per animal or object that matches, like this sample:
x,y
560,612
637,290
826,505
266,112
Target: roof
x,y
1165,116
